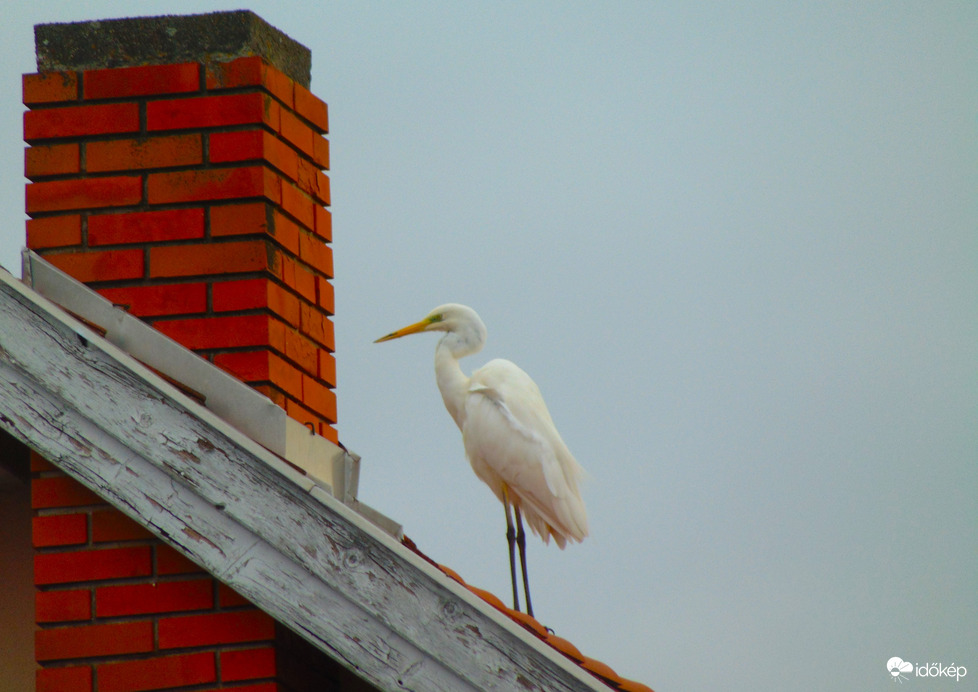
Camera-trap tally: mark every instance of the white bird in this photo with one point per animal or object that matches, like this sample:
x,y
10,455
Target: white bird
x,y
508,435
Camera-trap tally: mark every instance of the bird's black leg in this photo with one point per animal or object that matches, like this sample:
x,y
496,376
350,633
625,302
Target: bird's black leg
x,y
521,542
511,539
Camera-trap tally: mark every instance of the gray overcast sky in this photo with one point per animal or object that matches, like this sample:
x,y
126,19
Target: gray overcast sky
x,y
734,244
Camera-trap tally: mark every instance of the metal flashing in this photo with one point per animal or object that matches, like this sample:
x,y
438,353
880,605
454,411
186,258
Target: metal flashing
x,y
232,400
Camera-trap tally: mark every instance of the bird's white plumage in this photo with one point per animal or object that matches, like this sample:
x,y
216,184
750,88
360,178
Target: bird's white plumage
x,y
508,434
510,438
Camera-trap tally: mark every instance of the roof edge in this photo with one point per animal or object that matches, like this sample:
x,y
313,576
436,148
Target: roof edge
x,y
249,519
234,401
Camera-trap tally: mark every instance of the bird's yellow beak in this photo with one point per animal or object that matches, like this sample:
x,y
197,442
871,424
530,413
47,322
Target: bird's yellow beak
x,y
410,329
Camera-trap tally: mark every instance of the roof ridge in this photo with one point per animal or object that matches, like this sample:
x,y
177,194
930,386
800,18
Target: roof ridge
x,y
597,669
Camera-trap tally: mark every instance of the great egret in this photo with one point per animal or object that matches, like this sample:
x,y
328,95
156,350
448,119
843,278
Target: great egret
x,y
508,434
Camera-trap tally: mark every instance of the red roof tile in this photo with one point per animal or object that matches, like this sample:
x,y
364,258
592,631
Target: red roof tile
x,y
564,647
596,668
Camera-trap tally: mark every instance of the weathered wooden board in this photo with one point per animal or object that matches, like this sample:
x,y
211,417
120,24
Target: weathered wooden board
x,y
242,514
231,399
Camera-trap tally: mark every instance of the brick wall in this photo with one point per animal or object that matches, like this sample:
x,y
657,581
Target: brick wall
x,y
119,611
192,193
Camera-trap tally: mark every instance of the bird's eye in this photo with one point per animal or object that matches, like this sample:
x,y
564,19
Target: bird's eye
x,y
435,318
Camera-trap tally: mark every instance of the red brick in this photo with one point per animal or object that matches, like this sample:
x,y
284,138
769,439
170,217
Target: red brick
x,y
247,294
145,226
247,664
318,327
256,294
39,463
285,376
285,232
248,71
86,193
50,87
51,159
297,133
282,156
75,121
161,299
61,491
254,144
218,332
324,223
157,673
211,258
298,204
304,415
229,598
145,152
317,254
240,145
91,565
324,295
169,561
60,529
304,281
211,111
215,628
319,398
248,366
54,231
287,271
105,265
307,181
111,525
327,367
311,108
239,219
163,597
284,304
122,82
320,152
279,84
322,192
70,679
213,184
301,351
63,606
83,641
276,334
313,182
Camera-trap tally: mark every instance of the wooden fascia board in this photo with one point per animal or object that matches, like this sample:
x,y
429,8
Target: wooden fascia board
x,y
247,518
232,400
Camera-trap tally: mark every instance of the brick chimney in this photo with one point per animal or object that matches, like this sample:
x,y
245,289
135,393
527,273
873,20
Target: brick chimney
x,y
176,168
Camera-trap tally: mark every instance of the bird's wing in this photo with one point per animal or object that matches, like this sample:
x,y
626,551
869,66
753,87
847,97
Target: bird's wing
x,y
510,437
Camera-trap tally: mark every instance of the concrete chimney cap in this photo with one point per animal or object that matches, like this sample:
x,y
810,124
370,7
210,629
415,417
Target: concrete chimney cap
x,y
170,39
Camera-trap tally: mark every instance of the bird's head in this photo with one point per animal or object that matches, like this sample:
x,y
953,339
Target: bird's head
x,y
466,332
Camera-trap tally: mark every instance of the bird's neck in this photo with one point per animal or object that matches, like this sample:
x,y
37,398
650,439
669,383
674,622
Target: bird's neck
x,y
452,382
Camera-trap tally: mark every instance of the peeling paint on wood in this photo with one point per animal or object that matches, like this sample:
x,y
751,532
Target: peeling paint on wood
x,y
245,516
